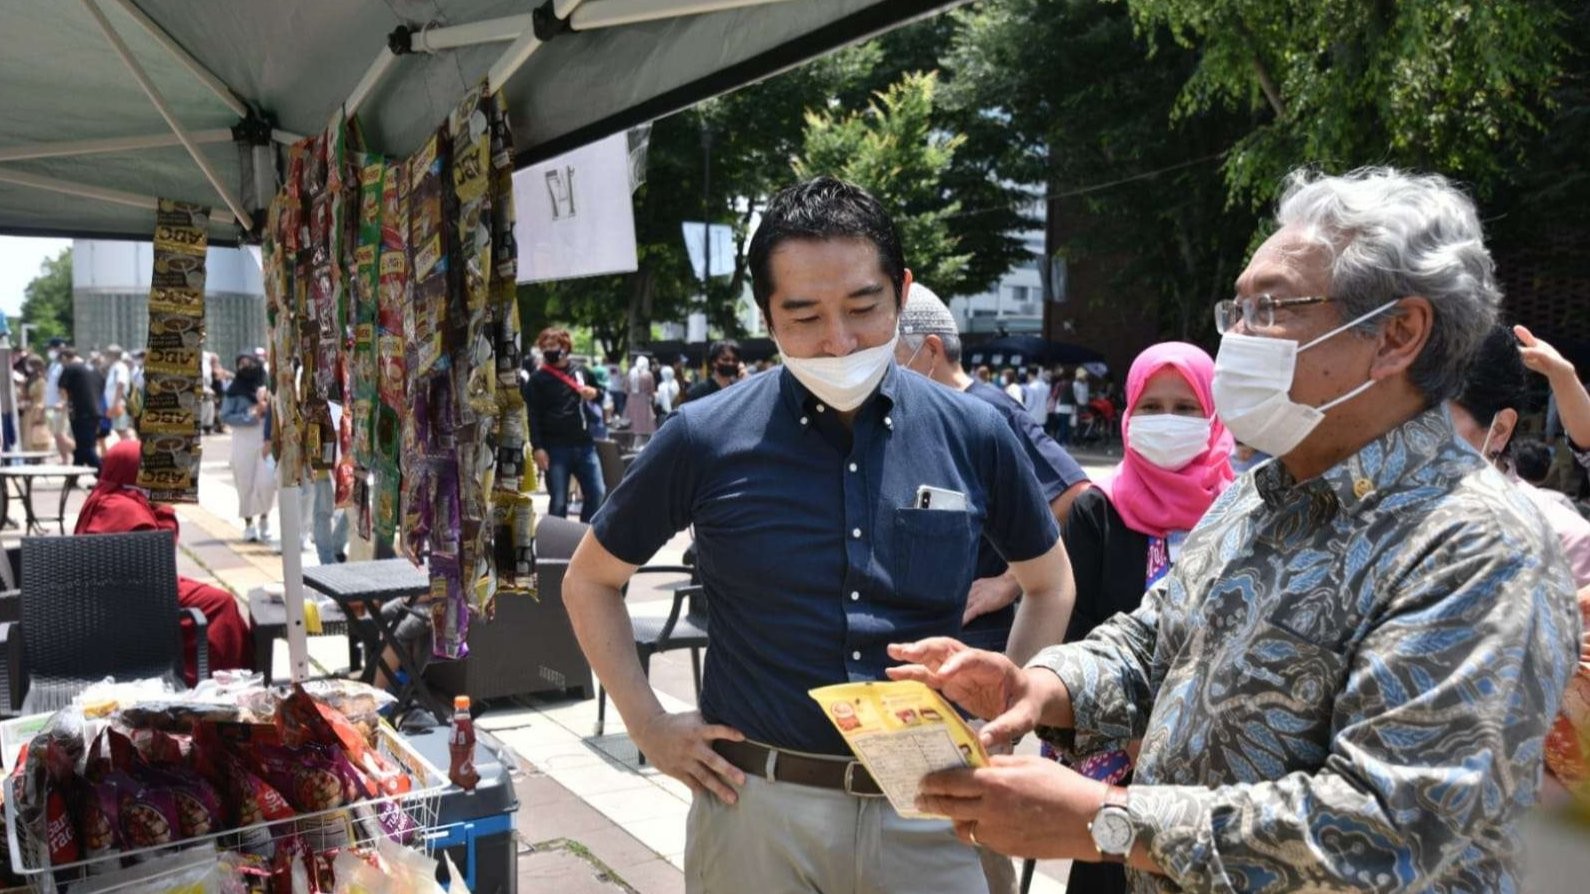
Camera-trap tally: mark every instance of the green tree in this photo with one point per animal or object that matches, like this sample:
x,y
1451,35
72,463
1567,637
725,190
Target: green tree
x,y
47,301
1436,84
894,150
1086,117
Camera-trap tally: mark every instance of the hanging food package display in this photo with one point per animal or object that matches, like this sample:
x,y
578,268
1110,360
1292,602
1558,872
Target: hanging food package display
x,y
390,290
169,421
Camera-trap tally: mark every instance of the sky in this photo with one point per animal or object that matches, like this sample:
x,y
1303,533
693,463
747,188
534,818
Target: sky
x,y
20,257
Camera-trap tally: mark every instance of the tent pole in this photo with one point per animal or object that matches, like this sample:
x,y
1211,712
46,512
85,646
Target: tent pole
x,y
522,48
609,13
447,37
290,517
98,193
367,84
111,144
244,219
208,78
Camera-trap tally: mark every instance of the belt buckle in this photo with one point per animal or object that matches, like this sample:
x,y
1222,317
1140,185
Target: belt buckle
x,y
850,777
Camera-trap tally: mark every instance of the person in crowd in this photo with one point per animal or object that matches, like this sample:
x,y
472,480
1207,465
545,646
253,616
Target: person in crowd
x,y
596,409
984,374
815,550
1573,401
118,389
667,393
642,388
1063,406
80,388
1124,535
560,428
245,409
1014,385
35,428
1080,393
930,344
1485,414
617,396
725,368
1532,462
117,506
1035,395
54,412
1367,637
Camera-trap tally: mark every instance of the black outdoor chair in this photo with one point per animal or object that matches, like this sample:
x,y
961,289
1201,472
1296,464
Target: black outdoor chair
x,y
612,460
684,627
95,606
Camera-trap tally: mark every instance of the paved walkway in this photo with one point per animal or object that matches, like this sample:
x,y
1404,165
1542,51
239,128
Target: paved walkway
x,y
591,818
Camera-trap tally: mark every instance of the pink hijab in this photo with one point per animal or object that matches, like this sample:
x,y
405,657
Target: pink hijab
x,y
1155,501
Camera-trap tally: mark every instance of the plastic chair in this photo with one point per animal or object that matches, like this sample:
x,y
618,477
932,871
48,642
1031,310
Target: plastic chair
x,y
97,606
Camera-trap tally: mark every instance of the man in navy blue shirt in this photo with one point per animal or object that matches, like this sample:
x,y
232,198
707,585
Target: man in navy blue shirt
x,y
803,488
930,344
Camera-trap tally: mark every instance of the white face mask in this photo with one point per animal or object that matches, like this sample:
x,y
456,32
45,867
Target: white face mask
x,y
842,382
1253,384
1168,440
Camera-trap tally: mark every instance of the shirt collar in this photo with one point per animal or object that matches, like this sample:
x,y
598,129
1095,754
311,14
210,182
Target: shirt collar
x,y
802,404
1383,466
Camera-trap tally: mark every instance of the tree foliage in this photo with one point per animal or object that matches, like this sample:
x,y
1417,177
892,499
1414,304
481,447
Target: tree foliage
x,y
47,301
1086,113
893,150
1436,84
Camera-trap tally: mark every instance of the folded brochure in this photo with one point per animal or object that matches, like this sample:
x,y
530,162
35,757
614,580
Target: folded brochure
x,y
900,731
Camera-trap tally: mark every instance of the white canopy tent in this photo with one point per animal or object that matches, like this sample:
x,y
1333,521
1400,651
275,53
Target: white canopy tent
x,y
107,105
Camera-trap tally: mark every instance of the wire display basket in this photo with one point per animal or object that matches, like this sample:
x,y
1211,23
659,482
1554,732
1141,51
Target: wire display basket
x,y
409,819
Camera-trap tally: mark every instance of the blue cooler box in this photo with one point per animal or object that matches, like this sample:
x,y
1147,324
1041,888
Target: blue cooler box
x,y
477,828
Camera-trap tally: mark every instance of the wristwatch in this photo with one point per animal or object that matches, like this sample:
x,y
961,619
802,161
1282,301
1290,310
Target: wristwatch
x,y
1112,829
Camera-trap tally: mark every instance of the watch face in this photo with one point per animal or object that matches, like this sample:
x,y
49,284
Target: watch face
x,y
1112,831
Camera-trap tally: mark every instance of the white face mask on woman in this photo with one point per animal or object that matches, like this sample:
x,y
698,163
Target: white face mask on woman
x,y
1253,384
1168,440
842,382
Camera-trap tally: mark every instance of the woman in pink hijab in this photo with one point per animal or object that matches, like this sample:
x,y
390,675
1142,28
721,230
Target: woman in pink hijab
x,y
1124,534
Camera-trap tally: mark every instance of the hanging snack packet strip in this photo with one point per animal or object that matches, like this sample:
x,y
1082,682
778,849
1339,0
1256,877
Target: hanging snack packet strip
x,y
172,375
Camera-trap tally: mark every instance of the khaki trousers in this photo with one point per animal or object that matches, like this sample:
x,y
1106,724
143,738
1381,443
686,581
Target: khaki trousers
x,y
781,838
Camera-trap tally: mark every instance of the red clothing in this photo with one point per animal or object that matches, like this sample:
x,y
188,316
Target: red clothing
x,y
115,506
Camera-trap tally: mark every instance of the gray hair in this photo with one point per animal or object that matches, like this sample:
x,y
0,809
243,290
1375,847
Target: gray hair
x,y
1393,234
952,343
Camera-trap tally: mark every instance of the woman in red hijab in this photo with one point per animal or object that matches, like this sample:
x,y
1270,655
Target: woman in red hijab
x,y
1124,534
115,506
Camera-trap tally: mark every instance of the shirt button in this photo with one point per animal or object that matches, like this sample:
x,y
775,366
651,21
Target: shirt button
x,y
888,422
855,656
804,420
856,533
855,596
821,408
852,467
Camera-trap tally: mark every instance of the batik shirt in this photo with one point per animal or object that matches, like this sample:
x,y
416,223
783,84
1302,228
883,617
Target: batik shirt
x,y
1342,684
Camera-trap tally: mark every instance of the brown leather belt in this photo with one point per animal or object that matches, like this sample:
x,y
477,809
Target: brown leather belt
x,y
777,765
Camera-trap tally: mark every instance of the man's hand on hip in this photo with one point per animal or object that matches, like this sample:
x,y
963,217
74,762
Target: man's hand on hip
x,y
681,746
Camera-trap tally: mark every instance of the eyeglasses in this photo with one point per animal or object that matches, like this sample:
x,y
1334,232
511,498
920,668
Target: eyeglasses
x,y
1258,311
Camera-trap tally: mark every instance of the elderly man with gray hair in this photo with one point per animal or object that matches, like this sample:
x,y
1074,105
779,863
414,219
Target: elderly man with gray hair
x,y
1345,680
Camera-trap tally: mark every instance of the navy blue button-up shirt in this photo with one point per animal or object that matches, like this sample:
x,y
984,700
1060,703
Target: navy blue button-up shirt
x,y
810,547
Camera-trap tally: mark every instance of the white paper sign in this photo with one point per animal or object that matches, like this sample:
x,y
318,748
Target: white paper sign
x,y
575,215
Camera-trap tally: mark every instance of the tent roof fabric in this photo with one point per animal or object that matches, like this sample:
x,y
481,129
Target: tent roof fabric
x,y
296,61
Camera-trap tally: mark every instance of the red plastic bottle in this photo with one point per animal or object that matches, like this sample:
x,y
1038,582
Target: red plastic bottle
x,y
461,742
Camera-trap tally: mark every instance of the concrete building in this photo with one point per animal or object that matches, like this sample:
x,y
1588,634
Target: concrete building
x,y
110,297
1014,304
